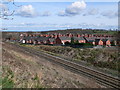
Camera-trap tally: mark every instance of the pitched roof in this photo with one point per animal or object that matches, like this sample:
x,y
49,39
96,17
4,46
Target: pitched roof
x,y
27,38
42,38
112,39
91,41
65,38
51,39
104,40
97,40
90,38
78,38
36,38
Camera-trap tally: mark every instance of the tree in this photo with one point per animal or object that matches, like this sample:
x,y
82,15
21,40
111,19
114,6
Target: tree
x,y
5,13
72,40
77,42
67,43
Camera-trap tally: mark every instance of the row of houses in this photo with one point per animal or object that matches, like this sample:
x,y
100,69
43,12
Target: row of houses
x,y
61,40
54,35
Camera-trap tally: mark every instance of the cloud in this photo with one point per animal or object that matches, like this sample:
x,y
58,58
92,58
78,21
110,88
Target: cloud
x,y
92,11
110,14
74,9
46,13
62,13
27,11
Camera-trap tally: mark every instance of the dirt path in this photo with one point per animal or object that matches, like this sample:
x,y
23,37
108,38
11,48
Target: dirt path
x,y
27,66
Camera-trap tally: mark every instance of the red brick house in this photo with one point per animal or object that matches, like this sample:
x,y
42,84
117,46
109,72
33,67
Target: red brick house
x,y
35,40
98,42
42,40
51,41
106,42
79,39
62,40
86,35
78,35
90,40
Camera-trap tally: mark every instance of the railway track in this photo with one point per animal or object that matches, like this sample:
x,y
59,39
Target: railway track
x,y
100,77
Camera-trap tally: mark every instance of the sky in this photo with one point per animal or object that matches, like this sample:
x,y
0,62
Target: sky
x,y
66,14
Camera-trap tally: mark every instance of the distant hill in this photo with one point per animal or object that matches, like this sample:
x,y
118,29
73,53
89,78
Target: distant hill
x,y
82,31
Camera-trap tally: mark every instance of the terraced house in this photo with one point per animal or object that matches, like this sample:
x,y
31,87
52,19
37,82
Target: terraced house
x,y
60,39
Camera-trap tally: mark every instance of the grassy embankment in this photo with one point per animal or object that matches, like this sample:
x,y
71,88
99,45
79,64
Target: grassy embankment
x,y
22,69
16,72
106,58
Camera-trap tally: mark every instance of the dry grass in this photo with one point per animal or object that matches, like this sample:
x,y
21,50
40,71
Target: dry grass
x,y
106,58
30,71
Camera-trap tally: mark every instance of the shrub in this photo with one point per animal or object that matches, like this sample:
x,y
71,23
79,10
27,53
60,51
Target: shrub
x,y
67,43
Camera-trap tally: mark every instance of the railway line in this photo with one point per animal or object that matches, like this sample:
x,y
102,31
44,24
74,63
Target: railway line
x,y
102,78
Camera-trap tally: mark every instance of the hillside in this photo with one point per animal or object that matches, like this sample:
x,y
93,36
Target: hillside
x,y
82,31
107,59
22,69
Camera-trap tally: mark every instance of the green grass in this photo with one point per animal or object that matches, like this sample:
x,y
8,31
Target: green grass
x,y
0,80
7,81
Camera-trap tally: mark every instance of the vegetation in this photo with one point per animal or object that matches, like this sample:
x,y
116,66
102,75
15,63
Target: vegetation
x,y
103,58
76,44
82,31
16,72
25,70
72,41
9,80
9,35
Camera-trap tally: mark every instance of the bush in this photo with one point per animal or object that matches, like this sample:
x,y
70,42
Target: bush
x,y
67,43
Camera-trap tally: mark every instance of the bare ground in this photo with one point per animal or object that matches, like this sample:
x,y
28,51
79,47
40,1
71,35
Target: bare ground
x,y
32,71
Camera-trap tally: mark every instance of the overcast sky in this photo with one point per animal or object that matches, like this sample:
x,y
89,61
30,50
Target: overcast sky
x,y
63,15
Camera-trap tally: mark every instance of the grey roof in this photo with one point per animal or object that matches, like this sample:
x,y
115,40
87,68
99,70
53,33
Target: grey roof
x,y
51,39
36,38
91,41
90,38
104,40
78,38
27,38
69,38
112,39
42,38
65,38
97,40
